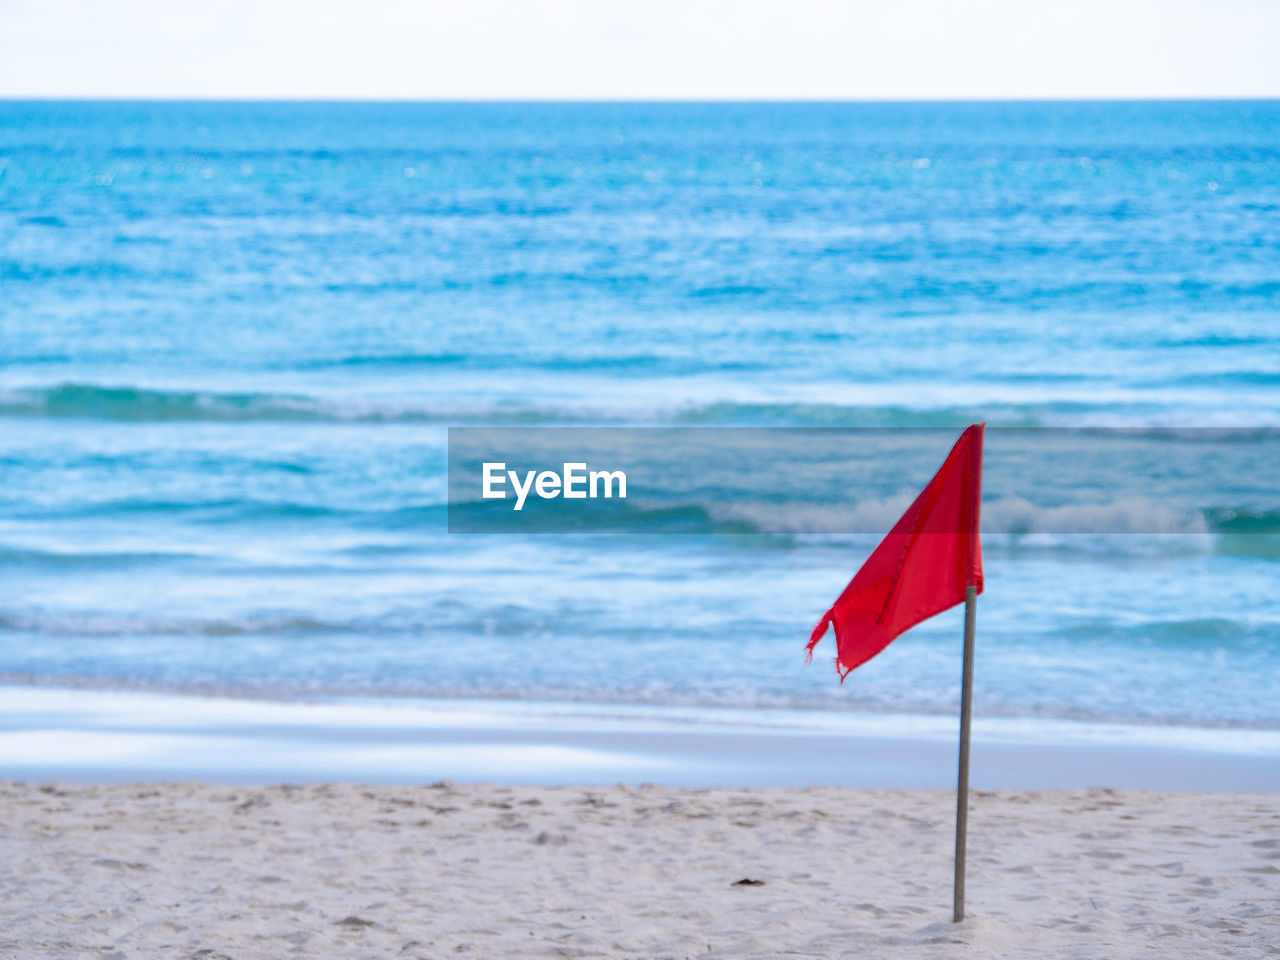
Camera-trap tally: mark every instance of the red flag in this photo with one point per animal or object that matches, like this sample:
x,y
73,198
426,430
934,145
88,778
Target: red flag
x,y
920,568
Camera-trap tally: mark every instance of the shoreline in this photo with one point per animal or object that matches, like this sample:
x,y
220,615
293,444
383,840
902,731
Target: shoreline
x,y
82,735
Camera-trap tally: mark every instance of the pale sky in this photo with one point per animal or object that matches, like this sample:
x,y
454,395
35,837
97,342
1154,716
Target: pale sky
x,y
659,49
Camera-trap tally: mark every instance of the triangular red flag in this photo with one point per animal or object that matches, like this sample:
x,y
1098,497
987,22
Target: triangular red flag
x,y
920,568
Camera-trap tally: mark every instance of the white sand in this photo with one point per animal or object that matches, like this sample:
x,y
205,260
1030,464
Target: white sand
x,y
188,870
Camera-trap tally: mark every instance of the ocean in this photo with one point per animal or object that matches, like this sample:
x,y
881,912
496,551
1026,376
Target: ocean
x,y
234,336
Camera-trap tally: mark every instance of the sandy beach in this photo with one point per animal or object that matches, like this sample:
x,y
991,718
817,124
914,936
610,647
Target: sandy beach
x,y
190,870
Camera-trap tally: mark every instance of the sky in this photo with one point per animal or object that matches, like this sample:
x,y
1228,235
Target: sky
x,y
640,49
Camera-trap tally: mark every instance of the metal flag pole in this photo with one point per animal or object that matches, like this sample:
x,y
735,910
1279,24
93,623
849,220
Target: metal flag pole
x,y
962,785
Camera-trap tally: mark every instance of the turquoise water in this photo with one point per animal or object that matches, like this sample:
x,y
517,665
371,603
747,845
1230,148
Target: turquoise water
x,y
233,337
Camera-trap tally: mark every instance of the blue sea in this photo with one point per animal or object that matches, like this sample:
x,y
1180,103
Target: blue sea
x,y
233,337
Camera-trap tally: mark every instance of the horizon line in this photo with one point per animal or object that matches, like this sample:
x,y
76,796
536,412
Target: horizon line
x,y
639,100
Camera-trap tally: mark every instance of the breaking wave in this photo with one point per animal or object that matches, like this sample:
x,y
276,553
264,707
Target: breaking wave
x,y
127,403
